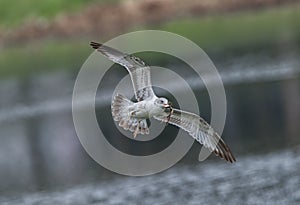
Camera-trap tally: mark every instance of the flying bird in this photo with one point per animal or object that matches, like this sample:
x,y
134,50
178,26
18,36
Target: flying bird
x,y
132,116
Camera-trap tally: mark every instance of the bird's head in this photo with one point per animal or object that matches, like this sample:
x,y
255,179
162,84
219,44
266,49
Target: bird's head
x,y
162,103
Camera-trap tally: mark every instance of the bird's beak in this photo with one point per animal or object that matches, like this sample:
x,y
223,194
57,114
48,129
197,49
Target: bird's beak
x,y
167,105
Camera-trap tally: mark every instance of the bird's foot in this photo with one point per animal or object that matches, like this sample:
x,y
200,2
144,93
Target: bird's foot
x,y
136,132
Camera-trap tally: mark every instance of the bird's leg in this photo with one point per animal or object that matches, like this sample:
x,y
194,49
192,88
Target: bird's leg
x,y
133,114
136,132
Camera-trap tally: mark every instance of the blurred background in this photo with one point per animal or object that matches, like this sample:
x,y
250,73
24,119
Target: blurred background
x,y
255,45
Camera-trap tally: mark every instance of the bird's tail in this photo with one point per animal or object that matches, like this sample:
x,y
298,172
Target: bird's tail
x,y
121,113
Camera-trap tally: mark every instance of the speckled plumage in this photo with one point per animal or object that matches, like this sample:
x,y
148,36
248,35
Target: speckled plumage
x,y
132,116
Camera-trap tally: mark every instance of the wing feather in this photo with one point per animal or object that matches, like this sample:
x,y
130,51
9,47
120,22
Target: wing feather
x,y
200,130
138,70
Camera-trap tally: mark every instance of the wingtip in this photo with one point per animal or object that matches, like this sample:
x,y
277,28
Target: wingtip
x,y
228,155
95,45
224,152
230,158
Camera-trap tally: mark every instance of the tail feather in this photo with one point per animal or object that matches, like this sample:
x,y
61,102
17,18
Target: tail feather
x,y
120,107
121,113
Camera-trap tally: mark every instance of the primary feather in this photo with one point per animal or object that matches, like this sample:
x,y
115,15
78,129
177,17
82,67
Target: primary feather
x,y
138,70
200,130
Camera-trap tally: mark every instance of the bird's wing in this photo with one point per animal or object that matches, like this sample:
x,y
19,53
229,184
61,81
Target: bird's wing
x,y
138,70
199,129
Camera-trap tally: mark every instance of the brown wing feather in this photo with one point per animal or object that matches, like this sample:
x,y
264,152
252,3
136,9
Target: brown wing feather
x,y
138,70
200,130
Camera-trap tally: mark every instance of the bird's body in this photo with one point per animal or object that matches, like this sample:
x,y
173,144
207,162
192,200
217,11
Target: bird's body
x,y
132,116
145,109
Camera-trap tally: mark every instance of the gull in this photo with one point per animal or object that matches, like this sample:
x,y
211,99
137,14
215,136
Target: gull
x,y
132,116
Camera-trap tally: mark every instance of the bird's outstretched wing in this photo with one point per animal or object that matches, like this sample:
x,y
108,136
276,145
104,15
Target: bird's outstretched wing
x,y
199,129
138,70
